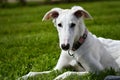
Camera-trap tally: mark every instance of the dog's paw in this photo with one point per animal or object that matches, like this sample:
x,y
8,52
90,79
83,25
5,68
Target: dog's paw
x,y
25,77
62,76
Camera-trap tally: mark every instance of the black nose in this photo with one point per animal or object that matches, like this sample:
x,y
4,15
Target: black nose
x,y
65,47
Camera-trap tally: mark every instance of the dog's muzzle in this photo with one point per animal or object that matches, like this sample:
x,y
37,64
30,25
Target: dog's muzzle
x,y
76,44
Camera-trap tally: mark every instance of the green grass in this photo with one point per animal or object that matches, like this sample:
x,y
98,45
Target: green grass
x,y
28,44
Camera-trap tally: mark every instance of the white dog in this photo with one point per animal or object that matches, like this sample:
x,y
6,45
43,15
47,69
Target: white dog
x,y
80,48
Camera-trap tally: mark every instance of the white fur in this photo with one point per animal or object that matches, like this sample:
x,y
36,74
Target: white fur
x,y
95,54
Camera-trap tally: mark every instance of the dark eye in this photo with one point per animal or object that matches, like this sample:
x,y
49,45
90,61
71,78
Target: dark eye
x,y
72,25
60,25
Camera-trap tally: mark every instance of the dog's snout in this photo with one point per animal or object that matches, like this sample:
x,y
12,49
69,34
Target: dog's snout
x,y
65,47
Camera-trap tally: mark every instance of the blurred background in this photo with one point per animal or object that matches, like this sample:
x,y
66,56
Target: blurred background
x,y
13,3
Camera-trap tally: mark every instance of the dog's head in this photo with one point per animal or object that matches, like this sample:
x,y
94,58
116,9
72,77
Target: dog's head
x,y
69,23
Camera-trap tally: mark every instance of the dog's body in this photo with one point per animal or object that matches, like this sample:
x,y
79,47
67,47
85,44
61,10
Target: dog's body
x,y
94,54
113,47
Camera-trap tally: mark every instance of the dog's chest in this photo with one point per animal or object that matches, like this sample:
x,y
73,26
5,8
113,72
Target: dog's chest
x,y
84,62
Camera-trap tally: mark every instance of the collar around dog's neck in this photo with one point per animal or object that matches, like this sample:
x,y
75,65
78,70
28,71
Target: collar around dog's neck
x,y
81,40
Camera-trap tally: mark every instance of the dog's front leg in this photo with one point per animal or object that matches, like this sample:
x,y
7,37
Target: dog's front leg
x,y
63,61
66,74
32,74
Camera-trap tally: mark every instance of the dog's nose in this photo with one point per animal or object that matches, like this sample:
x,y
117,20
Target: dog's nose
x,y
65,47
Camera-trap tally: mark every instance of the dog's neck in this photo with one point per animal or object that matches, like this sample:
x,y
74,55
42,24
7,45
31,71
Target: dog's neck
x,y
81,40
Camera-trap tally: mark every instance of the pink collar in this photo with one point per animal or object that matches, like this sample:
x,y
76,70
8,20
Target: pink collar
x,y
79,43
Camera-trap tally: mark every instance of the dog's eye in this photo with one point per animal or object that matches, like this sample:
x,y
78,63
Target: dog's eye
x,y
72,25
60,25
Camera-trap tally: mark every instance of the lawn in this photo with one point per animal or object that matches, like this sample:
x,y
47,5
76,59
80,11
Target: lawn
x,y
28,44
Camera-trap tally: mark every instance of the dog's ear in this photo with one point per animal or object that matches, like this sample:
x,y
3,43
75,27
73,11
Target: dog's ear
x,y
52,14
79,11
